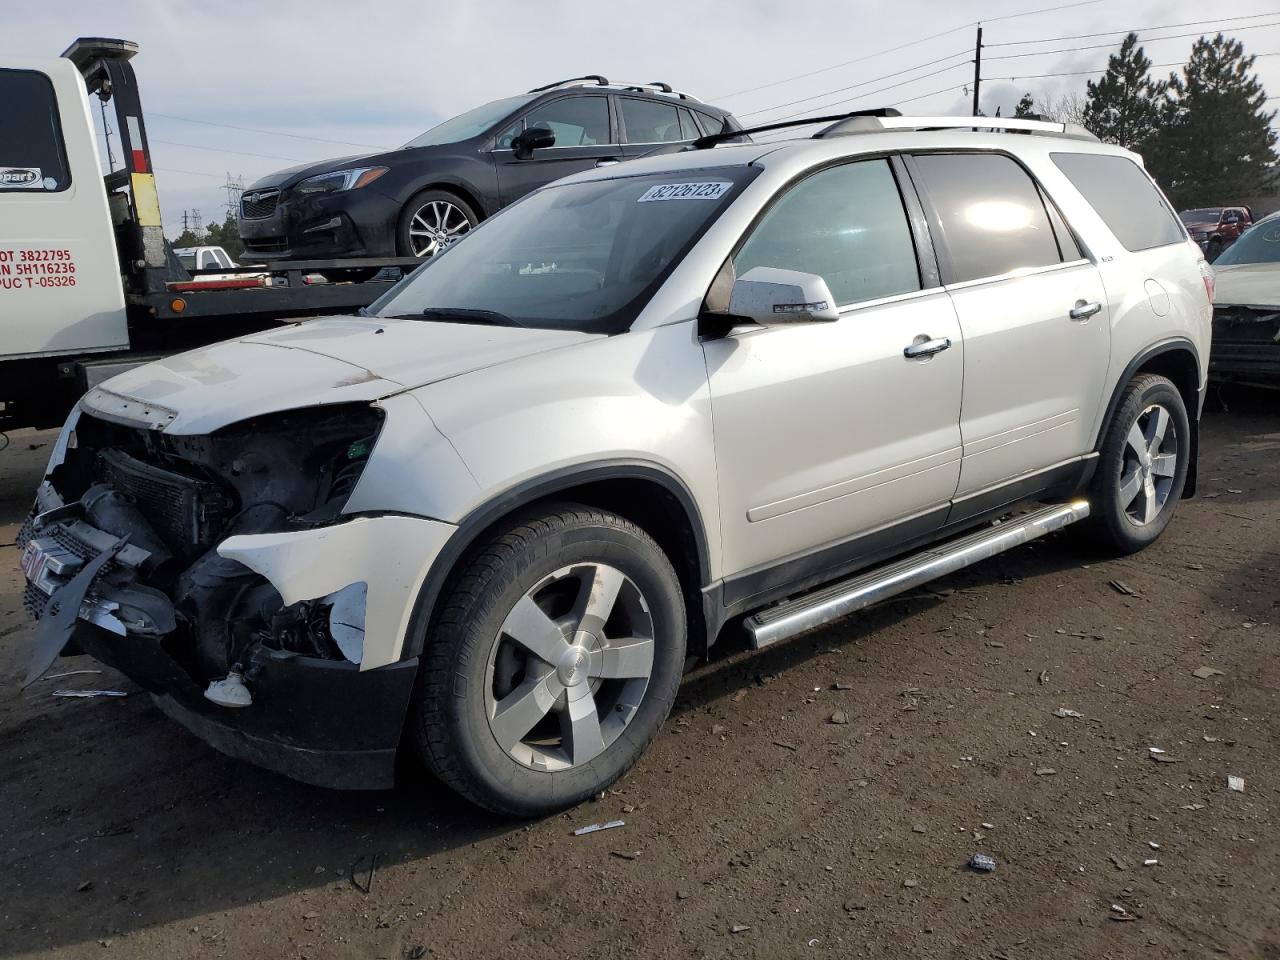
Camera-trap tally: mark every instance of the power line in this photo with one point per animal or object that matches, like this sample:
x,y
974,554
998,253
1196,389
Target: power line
x,y
827,93
1099,46
242,153
1087,73
274,133
1032,13
872,93
901,46
1162,26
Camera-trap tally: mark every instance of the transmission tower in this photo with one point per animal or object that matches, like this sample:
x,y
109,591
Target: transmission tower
x,y
234,187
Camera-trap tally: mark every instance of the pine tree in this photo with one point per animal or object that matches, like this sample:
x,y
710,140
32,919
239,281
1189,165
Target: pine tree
x,y
1025,107
1216,145
1124,106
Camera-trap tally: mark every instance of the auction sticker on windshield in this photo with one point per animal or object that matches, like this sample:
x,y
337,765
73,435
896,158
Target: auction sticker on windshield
x,y
684,191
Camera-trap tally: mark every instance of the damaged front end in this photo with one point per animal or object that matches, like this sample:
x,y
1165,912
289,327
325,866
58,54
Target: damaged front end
x,y
121,556
1246,345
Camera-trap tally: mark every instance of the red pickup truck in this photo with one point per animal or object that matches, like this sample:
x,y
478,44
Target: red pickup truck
x,y
1216,228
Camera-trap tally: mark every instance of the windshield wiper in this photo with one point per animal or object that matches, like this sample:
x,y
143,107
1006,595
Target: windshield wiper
x,y
468,315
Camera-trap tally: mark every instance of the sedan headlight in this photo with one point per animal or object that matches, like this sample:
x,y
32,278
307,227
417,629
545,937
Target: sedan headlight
x,y
340,180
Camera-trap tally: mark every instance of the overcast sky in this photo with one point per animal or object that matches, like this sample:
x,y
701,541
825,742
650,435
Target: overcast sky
x,y
375,74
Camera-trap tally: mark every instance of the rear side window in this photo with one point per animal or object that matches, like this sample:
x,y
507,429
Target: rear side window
x,y
647,121
988,213
1124,197
32,155
845,224
688,129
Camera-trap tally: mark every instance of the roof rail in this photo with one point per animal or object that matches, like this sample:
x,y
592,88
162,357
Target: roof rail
x,y
711,139
595,80
869,122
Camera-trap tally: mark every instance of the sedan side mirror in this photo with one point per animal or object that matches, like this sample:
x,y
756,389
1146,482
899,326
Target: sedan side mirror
x,y
535,138
771,296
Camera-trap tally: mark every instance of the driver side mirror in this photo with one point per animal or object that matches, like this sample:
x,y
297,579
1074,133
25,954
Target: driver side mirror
x,y
535,138
771,296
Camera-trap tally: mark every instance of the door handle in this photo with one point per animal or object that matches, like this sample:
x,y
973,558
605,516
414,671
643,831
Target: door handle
x,y
1083,311
607,162
923,348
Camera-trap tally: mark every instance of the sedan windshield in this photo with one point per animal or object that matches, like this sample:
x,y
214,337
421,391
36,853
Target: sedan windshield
x,y
580,256
1260,244
470,124
1203,215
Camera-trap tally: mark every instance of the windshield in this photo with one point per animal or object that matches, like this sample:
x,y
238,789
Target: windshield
x,y
1203,215
580,256
470,124
1259,244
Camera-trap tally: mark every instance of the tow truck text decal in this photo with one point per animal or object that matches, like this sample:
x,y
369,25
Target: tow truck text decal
x,y
36,268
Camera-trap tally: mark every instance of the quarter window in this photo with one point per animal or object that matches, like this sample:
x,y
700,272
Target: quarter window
x,y
32,156
711,124
648,121
1124,197
576,121
847,225
988,214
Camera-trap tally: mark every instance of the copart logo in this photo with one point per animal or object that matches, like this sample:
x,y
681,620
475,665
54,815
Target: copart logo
x,y
21,178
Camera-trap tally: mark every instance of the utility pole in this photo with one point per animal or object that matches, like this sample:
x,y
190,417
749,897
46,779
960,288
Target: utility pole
x,y
977,69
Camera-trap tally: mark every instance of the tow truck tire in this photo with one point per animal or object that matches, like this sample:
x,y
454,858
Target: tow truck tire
x,y
554,660
426,212
1213,250
1142,467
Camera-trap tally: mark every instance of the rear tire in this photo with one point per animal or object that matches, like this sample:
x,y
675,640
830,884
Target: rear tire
x,y
554,661
1213,250
1142,466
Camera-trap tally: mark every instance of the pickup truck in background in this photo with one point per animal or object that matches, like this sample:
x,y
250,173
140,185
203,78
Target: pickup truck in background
x,y
1216,228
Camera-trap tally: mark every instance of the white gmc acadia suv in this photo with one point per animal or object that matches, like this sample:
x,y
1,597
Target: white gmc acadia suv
x,y
493,516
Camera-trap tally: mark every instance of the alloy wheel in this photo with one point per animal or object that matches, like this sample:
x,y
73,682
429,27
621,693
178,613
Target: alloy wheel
x,y
570,667
1149,466
434,226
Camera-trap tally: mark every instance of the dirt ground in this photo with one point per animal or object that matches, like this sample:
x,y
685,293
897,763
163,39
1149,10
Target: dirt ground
x,y
122,835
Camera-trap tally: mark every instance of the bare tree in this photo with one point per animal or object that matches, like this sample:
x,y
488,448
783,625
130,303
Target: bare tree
x,y
1067,108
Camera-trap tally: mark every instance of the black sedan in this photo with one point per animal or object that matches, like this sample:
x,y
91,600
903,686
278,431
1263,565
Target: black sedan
x,y
412,201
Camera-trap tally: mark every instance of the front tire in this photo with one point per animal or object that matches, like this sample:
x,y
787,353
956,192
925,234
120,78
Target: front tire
x,y
1142,467
554,661
430,221
1213,250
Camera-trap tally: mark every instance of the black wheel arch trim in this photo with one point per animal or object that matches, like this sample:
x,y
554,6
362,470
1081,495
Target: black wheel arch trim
x,y
530,491
1172,345
464,191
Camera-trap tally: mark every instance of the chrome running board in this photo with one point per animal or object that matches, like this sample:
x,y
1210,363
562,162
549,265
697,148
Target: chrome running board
x,y
840,599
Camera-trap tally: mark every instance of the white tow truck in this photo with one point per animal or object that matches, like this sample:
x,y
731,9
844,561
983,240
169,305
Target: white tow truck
x,y
88,284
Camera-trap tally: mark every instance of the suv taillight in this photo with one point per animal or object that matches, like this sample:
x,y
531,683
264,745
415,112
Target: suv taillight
x,y
1206,274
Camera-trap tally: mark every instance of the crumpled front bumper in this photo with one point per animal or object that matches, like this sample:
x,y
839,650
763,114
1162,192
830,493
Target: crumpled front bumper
x,y
332,723
1246,345
322,722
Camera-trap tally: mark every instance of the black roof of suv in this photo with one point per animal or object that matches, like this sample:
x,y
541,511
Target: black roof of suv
x,y
413,200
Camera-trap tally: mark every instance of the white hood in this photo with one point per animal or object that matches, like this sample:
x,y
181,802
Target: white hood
x,y
1247,284
317,362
